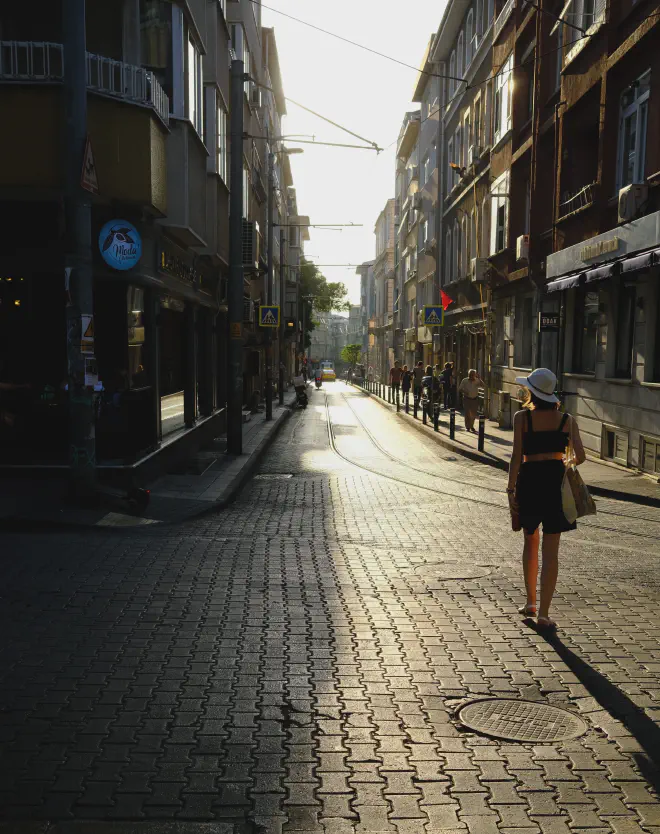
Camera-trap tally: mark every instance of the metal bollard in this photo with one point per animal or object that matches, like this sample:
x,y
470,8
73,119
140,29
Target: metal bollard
x,y
407,403
424,413
482,432
389,394
436,417
452,423
415,407
397,402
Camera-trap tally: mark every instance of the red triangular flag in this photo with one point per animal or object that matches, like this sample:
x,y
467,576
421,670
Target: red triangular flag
x,y
445,300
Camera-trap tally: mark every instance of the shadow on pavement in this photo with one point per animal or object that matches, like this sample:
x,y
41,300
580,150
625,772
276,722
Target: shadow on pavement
x,y
645,731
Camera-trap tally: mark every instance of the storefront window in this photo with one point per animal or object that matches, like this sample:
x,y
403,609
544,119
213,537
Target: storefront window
x,y
172,365
137,376
625,331
586,332
549,338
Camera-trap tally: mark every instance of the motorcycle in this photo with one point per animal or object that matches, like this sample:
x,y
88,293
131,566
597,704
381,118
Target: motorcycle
x,y
300,385
318,381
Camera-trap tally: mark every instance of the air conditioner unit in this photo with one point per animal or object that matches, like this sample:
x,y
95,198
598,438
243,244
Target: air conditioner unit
x,y
255,96
417,200
522,248
479,269
250,244
248,311
508,328
631,199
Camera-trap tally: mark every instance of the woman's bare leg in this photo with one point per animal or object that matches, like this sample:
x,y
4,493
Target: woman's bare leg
x,y
531,565
549,570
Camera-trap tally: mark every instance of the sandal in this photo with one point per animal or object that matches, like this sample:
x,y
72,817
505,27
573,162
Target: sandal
x,y
528,610
546,623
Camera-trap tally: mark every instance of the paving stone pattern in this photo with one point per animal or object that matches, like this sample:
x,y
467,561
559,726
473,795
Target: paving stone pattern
x,y
284,666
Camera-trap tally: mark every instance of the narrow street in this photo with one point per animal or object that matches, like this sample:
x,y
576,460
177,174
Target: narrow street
x,y
298,662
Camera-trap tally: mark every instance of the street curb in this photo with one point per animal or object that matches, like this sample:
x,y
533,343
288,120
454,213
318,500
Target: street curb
x,y
18,524
495,463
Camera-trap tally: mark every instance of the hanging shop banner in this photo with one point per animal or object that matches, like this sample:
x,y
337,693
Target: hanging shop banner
x,y
269,316
120,244
434,315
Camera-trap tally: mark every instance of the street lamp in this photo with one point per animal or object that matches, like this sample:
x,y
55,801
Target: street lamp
x,y
269,286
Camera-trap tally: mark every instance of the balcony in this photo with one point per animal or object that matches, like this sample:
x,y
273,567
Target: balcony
x,y
502,18
32,62
128,115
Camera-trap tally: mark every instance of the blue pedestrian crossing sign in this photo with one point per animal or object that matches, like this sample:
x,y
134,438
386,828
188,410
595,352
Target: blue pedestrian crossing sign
x,y
269,316
434,315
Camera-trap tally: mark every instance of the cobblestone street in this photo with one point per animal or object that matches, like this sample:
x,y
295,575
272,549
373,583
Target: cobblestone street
x,y
298,662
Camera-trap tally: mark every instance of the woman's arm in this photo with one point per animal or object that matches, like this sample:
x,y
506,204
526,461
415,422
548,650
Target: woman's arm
x,y
516,454
576,441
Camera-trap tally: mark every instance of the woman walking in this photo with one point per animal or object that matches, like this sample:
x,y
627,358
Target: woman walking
x,y
541,437
406,382
469,388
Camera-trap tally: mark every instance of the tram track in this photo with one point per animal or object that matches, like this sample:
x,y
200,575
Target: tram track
x,y
399,462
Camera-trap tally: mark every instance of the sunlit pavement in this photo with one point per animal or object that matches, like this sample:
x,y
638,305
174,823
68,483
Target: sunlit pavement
x,y
298,662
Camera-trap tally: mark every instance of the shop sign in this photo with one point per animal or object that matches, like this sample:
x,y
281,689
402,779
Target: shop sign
x,y
595,250
548,322
120,244
177,266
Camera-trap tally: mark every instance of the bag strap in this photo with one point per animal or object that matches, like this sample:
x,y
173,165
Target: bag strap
x,y
563,422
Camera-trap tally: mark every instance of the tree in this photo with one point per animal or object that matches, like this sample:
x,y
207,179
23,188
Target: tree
x,y
327,296
351,354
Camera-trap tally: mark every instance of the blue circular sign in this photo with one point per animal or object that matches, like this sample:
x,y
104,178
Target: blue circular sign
x,y
120,244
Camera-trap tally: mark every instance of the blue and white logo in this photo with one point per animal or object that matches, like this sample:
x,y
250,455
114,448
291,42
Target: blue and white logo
x,y
120,244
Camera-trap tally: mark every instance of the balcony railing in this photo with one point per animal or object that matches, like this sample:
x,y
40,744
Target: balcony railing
x,y
580,200
502,18
42,62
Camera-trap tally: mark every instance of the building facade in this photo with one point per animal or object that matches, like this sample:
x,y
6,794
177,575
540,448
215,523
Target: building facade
x,y
158,125
367,309
383,269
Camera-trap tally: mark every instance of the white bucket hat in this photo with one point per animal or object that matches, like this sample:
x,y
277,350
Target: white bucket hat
x,y
542,383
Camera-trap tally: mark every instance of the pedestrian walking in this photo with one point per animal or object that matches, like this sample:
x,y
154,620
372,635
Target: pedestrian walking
x,y
395,379
469,388
447,384
541,437
418,376
406,382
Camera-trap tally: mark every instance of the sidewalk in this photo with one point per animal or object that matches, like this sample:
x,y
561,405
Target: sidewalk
x,y
605,479
205,483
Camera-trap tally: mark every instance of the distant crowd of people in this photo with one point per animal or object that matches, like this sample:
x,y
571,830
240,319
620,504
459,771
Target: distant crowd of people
x,y
439,385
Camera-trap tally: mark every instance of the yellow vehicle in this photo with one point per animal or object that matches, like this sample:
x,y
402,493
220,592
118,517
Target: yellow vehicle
x,y
328,372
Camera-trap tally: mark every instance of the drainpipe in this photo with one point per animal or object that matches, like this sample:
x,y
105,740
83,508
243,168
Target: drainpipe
x,y
561,336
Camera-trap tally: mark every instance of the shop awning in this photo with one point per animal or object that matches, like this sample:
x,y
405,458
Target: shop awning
x,y
644,261
569,282
600,273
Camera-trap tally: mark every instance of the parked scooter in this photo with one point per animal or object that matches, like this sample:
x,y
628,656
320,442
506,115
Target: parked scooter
x,y
301,394
318,381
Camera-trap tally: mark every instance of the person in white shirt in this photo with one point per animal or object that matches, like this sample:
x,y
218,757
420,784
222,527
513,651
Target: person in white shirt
x,y
469,388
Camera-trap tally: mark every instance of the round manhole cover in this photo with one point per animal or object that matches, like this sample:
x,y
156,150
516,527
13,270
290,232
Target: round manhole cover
x,y
516,720
441,573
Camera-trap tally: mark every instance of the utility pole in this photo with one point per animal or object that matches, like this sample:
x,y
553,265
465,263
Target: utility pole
x,y
235,288
80,296
282,308
269,286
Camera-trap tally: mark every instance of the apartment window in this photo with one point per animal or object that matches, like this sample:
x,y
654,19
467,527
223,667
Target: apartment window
x,y
456,271
464,246
246,192
458,149
467,137
502,102
195,109
222,142
473,234
523,329
499,214
469,35
423,233
503,311
460,59
448,252
528,206
559,55
632,131
426,170
223,8
450,159
625,331
452,74
477,122
156,42
585,333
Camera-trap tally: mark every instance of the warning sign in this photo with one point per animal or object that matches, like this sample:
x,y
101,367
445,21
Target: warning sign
x,y
86,334
434,316
88,178
235,330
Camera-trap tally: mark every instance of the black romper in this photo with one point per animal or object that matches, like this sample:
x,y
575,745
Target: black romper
x,y
538,489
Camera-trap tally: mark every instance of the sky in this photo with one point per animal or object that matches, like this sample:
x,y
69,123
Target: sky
x,y
363,92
